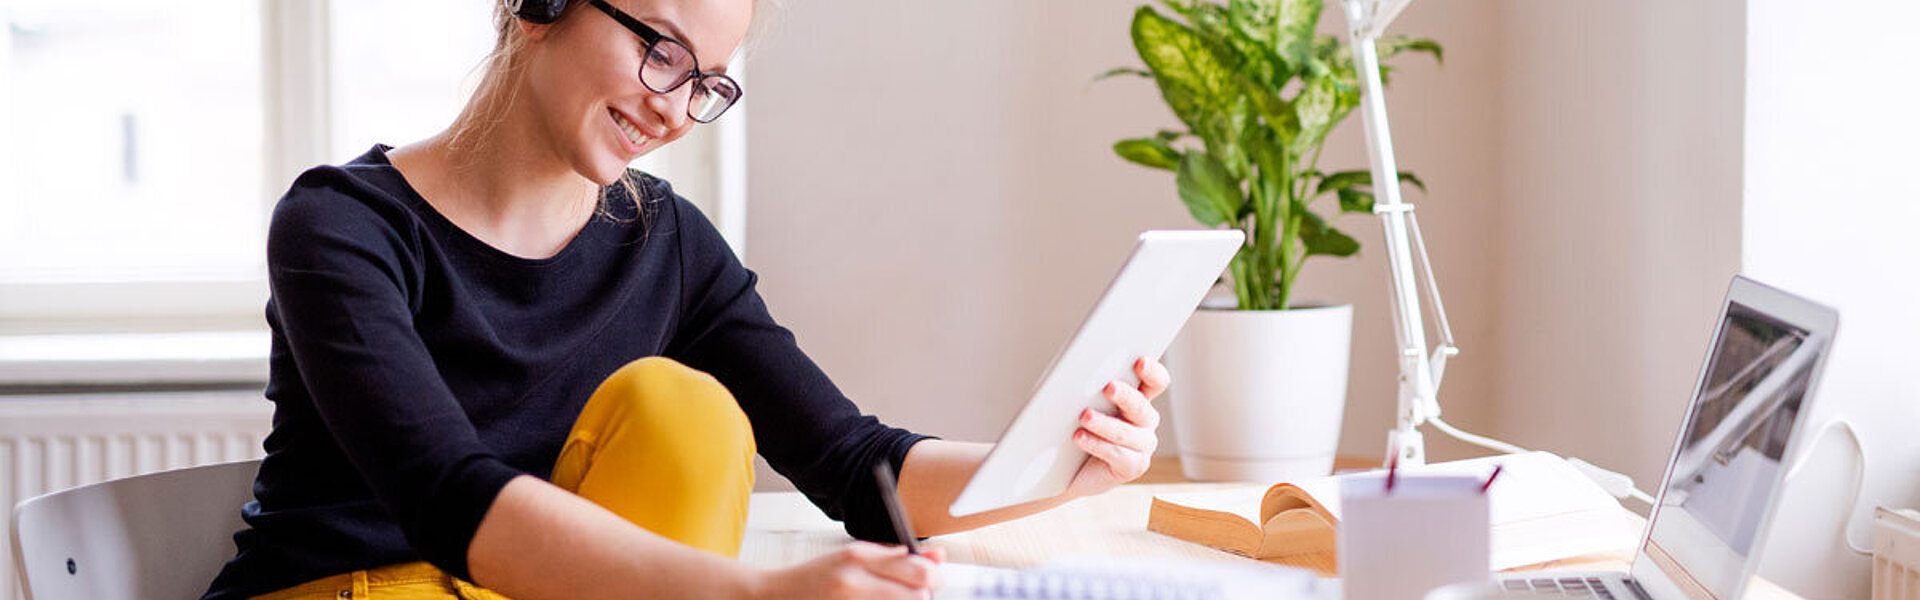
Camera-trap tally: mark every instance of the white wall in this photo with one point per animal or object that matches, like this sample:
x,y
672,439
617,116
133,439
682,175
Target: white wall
x,y
1830,206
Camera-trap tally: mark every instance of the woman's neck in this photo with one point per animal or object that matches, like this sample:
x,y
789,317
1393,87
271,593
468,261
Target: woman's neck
x,y
497,176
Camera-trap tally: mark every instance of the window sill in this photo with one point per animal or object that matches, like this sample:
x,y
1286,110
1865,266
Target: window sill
x,y
134,359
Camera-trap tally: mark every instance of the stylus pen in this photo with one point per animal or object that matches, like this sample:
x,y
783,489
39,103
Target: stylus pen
x,y
890,496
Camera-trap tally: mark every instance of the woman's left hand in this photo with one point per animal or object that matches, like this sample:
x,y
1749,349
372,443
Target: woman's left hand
x,y
1121,444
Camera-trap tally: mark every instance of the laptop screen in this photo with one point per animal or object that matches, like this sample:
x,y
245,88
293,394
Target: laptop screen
x,y
1731,452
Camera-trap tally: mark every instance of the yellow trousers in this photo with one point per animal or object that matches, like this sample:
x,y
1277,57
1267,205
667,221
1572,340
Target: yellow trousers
x,y
660,444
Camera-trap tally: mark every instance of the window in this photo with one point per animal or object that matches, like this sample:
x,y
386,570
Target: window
x,y
393,85
130,141
142,144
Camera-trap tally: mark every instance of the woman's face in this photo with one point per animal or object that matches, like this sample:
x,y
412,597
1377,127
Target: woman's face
x,y
584,85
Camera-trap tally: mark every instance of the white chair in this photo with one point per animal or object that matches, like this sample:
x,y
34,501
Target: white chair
x,y
162,536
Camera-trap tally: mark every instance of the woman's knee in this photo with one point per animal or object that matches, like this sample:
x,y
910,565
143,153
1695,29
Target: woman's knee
x,y
665,398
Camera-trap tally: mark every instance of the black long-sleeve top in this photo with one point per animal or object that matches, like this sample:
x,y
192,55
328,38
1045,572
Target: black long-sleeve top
x,y
416,369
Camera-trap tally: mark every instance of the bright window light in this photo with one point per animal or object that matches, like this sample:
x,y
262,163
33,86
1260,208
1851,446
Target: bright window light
x,y
130,140
403,70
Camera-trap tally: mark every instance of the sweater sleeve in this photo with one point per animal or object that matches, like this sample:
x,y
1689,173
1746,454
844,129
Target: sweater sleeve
x,y
343,286
805,427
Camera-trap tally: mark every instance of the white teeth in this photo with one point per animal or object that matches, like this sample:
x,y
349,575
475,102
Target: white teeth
x,y
627,127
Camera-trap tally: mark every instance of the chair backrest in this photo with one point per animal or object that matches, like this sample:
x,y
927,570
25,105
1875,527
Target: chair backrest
x,y
163,535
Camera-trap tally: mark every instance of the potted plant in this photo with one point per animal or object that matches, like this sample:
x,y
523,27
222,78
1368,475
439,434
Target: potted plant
x,y
1262,388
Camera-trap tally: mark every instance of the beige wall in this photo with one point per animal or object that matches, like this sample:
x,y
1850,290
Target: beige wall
x,y
1621,219
934,206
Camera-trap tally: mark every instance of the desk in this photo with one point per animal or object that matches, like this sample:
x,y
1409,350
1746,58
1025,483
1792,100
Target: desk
x,y
784,529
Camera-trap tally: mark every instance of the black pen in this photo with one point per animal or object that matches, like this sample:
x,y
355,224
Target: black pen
x,y
890,496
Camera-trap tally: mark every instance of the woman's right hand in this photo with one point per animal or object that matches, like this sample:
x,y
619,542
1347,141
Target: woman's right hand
x,y
859,570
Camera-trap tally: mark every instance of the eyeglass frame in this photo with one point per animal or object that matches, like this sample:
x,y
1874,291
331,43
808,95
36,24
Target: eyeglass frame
x,y
653,38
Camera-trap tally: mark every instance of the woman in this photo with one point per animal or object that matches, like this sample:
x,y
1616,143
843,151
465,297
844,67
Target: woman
x,y
502,362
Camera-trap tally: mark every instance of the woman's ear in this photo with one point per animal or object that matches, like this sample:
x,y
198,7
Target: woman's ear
x,y
533,31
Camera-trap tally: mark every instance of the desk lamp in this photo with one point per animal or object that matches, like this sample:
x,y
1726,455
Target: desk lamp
x,y
1420,369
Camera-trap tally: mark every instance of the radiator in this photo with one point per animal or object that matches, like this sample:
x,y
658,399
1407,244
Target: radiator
x,y
51,443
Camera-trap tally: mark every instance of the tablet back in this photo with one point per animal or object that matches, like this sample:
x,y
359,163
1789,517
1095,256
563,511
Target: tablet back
x,y
1138,316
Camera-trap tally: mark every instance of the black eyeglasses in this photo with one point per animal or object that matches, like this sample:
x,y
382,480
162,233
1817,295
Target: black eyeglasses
x,y
668,64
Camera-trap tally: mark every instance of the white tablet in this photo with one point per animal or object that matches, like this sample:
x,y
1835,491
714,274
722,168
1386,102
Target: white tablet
x,y
1142,310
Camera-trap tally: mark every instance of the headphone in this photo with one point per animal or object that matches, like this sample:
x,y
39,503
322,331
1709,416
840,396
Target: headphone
x,y
537,11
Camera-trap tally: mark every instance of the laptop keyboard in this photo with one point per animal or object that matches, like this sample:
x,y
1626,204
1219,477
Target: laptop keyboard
x,y
1565,586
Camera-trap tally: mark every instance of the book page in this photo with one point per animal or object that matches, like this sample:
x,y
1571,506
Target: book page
x,y
1242,501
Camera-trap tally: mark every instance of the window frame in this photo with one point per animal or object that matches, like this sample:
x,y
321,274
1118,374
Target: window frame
x,y
298,133
297,90
708,167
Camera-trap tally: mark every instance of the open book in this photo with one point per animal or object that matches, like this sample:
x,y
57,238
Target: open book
x,y
1541,509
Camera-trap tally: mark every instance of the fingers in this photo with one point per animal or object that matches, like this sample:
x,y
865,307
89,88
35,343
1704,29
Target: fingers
x,y
1125,463
1134,406
1119,432
1154,377
895,565
1125,443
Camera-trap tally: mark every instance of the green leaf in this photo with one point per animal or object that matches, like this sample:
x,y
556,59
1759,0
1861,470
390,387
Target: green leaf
x,y
1180,8
1322,239
1352,200
1408,177
1315,108
1270,188
1390,45
1349,179
1253,25
1344,179
1118,71
1210,193
1278,113
1294,30
1197,79
1169,134
1192,79
1151,152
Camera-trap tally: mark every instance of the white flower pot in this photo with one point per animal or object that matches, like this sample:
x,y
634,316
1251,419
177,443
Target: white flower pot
x,y
1259,395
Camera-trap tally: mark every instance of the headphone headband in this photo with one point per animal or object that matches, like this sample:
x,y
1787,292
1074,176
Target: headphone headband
x,y
537,11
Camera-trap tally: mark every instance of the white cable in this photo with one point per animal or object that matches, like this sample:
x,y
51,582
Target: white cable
x,y
1641,496
1617,484
1477,440
1859,477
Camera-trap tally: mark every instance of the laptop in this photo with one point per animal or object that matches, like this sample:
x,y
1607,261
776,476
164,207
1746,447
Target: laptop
x,y
1722,486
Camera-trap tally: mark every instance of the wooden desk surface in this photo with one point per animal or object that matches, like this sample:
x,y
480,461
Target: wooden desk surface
x,y
784,529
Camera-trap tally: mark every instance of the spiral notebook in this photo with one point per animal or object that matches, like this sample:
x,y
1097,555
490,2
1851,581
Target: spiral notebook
x,y
1113,578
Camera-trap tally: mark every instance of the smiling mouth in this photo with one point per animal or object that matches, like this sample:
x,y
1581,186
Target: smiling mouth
x,y
627,127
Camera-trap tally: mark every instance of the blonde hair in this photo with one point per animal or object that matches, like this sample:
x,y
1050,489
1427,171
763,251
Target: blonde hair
x,y
486,106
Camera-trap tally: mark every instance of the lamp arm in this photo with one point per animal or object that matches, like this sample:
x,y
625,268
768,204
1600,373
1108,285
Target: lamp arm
x,y
1446,349
1417,382
1420,369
